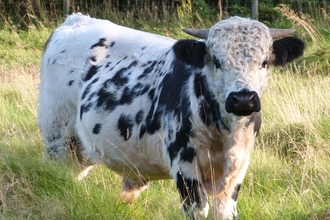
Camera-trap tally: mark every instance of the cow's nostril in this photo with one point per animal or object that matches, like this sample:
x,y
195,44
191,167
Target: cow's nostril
x,y
253,99
235,100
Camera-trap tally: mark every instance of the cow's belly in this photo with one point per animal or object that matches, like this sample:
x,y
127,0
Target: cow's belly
x,y
130,156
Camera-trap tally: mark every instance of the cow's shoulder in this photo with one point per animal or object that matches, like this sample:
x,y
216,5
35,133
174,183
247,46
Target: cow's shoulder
x,y
191,52
287,49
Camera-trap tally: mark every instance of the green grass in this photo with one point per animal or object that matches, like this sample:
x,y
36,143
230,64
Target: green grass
x,y
288,177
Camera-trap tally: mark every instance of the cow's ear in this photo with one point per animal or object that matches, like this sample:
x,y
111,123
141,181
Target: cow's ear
x,y
190,52
287,49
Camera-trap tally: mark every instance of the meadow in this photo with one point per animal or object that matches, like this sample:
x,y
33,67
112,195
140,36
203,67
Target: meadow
x,y
289,172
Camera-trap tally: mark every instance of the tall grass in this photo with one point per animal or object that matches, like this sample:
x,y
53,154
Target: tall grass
x,y
288,177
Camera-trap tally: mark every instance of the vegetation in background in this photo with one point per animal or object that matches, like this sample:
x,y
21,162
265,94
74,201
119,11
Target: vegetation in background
x,y
289,174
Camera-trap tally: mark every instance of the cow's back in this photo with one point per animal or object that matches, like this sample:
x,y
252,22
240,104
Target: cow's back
x,y
74,52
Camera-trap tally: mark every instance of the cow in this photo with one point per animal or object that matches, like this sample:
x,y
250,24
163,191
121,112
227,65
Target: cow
x,y
150,107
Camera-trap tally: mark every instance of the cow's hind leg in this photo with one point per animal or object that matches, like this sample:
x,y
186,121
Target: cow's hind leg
x,y
56,123
132,188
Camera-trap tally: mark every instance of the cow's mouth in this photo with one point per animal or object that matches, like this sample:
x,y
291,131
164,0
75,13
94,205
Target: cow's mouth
x,y
243,113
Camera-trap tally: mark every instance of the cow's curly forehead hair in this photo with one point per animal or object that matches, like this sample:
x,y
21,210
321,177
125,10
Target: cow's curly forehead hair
x,y
240,41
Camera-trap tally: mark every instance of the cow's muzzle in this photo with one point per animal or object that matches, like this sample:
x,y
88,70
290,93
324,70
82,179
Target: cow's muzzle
x,y
243,103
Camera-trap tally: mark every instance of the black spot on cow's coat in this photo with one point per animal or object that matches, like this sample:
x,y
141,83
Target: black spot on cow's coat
x,y
121,60
191,52
209,110
112,43
147,70
153,120
101,43
145,89
187,154
191,191
127,97
174,101
70,83
151,94
134,63
174,97
139,116
91,72
120,79
91,96
216,62
97,128
88,88
138,88
85,108
125,126
108,64
256,119
143,130
106,100
175,146
130,94
234,196
93,58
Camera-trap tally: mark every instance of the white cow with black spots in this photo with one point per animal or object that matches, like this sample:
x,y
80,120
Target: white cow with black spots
x,y
150,107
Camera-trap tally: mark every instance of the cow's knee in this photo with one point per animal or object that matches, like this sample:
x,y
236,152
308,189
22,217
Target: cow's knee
x,y
56,149
194,196
131,189
64,149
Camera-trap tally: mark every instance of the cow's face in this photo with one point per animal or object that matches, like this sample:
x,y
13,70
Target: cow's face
x,y
240,52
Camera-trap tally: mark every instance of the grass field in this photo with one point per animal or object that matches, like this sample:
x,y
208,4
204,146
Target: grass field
x,y
288,177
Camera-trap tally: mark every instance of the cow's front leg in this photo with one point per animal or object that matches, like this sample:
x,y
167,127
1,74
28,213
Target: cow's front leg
x,y
187,176
226,200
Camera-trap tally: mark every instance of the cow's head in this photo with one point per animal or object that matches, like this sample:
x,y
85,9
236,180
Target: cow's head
x,y
237,58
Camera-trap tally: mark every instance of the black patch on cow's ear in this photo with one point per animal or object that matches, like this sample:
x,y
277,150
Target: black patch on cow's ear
x,y
125,126
191,52
287,50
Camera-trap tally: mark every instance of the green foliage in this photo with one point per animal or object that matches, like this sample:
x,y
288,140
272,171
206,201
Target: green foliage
x,y
23,15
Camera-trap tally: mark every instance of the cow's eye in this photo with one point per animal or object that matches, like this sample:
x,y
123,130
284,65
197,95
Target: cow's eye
x,y
265,63
216,62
